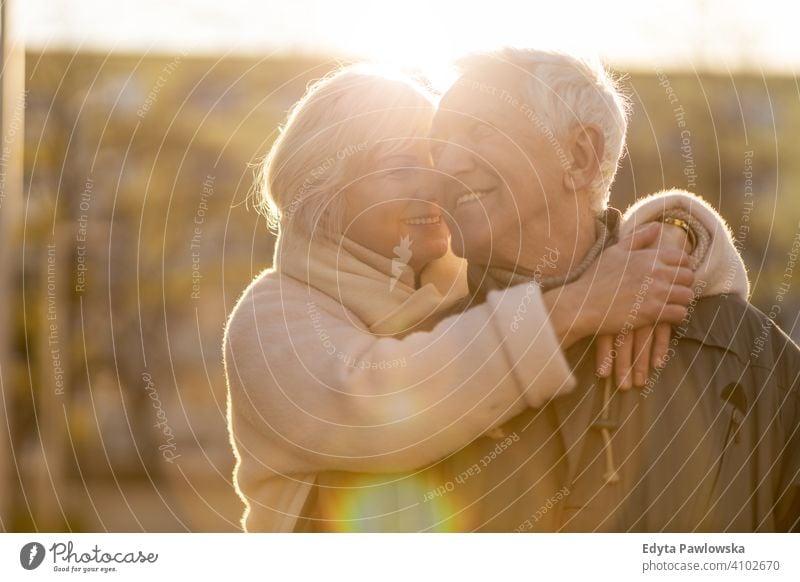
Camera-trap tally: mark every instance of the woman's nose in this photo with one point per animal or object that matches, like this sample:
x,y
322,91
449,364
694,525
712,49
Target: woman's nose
x,y
431,187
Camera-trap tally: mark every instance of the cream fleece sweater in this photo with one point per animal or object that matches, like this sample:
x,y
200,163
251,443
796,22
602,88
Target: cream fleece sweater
x,y
310,389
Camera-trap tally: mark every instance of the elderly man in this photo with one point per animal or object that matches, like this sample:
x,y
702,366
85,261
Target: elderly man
x,y
531,141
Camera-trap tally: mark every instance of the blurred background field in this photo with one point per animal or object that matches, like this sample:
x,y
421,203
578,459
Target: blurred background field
x,y
134,239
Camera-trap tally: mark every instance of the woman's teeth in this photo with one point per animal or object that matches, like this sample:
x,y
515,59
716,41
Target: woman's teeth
x,y
424,220
471,196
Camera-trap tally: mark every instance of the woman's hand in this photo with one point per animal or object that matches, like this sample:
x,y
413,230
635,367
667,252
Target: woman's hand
x,y
629,286
631,355
646,346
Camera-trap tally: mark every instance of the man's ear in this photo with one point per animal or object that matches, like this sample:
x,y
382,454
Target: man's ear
x,y
585,150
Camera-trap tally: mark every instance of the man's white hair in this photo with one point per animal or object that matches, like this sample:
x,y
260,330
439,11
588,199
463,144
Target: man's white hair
x,y
565,90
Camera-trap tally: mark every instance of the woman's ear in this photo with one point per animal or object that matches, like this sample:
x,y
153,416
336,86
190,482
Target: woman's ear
x,y
585,145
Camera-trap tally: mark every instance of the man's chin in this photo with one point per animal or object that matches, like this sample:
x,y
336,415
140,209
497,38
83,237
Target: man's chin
x,y
457,246
471,242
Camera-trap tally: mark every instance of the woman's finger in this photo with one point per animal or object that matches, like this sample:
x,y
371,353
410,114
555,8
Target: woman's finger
x,y
642,343
661,338
675,314
680,295
641,238
683,276
622,362
674,256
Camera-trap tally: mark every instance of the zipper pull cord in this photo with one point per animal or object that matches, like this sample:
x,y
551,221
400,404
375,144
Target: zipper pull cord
x,y
606,425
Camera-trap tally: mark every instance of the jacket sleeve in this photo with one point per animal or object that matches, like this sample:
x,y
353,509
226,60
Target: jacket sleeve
x,y
787,511
787,374
339,398
722,269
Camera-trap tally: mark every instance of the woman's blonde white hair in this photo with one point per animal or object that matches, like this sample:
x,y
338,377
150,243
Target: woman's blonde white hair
x,y
328,140
564,90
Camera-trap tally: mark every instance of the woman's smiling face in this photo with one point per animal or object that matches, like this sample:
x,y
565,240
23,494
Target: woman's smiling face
x,y
354,160
392,200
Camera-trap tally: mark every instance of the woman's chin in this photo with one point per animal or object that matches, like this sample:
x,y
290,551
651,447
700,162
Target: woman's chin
x,y
425,243
426,234
424,255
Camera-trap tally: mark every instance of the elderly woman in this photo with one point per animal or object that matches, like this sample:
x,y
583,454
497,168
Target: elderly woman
x,y
330,377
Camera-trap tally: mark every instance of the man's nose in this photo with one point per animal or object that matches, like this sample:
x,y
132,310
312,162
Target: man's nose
x,y
454,159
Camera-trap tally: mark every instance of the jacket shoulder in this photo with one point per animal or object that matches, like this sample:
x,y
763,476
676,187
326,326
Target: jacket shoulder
x,y
731,323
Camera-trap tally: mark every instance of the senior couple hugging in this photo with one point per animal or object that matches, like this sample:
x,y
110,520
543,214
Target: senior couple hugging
x,y
459,333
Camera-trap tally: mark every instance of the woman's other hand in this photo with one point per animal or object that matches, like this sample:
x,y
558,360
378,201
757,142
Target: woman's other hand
x,y
632,355
630,285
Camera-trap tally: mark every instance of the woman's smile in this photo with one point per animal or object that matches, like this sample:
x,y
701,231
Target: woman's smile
x,y
426,220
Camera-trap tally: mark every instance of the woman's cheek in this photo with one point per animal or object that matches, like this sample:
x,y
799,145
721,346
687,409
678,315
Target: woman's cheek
x,y
382,225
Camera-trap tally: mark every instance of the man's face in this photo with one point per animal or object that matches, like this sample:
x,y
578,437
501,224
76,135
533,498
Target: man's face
x,y
503,170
